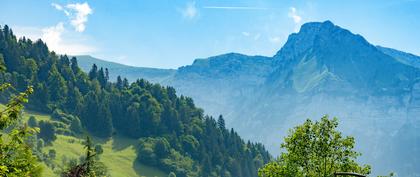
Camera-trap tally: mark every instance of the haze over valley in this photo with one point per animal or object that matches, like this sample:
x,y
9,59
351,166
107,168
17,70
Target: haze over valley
x,y
322,69
204,88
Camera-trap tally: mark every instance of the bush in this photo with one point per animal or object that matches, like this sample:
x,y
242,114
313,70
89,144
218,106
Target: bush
x,y
47,131
76,125
32,122
172,174
162,147
98,149
62,117
52,154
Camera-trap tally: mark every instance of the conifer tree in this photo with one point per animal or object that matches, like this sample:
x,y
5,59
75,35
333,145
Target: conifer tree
x,y
221,123
93,73
57,85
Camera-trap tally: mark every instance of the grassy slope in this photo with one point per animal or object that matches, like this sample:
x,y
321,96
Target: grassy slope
x,y
119,153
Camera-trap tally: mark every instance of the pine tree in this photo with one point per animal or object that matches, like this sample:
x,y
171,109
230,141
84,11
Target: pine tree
x,y
74,65
106,75
93,73
96,116
101,77
57,85
119,83
125,83
221,123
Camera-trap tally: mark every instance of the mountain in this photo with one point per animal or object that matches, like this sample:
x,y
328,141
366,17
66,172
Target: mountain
x,y
148,124
403,57
224,79
322,69
132,73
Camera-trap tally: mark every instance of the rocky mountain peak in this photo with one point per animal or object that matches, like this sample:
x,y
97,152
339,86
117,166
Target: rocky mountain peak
x,y
319,36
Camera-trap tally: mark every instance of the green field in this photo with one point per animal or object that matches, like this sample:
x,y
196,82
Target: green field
x,y
119,154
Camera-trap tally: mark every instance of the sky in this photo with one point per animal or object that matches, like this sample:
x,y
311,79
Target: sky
x,y
172,33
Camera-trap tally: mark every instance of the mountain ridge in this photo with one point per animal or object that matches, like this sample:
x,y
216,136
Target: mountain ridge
x,y
322,69
132,73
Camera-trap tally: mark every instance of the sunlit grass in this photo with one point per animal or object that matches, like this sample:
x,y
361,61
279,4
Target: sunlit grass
x,y
119,154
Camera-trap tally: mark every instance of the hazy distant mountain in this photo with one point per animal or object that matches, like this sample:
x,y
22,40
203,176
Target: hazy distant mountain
x,y
223,79
130,72
322,69
403,57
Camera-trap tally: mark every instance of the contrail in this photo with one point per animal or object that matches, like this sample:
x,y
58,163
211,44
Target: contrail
x,y
235,8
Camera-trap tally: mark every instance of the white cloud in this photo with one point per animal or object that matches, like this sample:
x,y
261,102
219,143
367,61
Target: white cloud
x,y
77,13
293,14
57,38
54,35
190,11
245,33
60,8
80,17
32,33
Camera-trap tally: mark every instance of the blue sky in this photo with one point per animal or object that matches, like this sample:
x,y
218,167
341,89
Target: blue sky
x,y
172,33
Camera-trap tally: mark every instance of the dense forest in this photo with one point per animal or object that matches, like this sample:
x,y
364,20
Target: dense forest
x,y
174,135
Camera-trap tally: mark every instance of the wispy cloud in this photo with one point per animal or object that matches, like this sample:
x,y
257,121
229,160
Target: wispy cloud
x,y
80,17
293,14
235,8
57,6
54,37
77,13
251,35
190,10
275,39
57,38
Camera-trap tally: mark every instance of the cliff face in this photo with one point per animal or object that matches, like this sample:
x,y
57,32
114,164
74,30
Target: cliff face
x,y
322,69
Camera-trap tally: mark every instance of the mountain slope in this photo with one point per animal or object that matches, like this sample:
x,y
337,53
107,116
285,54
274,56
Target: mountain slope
x,y
220,81
170,132
322,69
403,57
132,73
343,56
325,69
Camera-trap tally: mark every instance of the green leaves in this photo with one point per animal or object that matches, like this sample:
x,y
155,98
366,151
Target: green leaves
x,y
16,158
315,149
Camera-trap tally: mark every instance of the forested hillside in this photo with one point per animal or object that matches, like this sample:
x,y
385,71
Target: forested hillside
x,y
322,69
174,135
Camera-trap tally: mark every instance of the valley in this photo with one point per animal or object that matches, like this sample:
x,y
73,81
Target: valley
x,y
322,69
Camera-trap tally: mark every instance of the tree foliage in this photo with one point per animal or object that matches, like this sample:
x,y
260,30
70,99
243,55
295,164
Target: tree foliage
x,y
315,149
187,142
16,158
47,131
89,166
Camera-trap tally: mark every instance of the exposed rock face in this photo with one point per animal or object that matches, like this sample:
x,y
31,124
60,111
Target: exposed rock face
x,y
322,69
